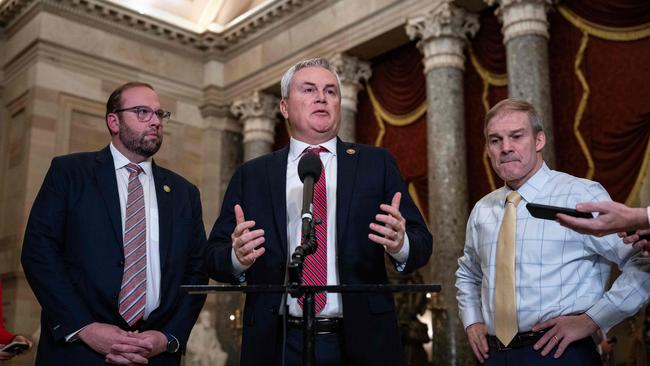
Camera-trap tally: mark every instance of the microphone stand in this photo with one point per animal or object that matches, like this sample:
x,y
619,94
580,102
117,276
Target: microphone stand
x,y
308,247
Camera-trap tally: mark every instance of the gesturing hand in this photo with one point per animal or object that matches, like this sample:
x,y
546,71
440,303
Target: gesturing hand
x,y
245,241
391,233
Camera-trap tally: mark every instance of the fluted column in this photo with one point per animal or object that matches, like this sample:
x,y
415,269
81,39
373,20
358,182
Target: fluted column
x,y
443,33
525,35
352,72
258,114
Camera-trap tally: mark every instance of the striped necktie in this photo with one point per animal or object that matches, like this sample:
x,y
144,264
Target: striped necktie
x,y
315,267
134,280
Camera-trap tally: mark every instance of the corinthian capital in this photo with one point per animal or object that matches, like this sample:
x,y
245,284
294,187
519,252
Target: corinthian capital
x,y
255,105
442,35
351,71
523,17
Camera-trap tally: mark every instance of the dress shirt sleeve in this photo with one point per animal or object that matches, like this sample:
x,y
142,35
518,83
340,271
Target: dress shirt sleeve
x,y
402,256
468,278
631,290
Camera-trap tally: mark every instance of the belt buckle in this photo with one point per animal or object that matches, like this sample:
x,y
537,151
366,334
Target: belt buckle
x,y
502,347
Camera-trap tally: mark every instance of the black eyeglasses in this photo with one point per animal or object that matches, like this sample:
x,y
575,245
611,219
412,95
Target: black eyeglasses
x,y
145,113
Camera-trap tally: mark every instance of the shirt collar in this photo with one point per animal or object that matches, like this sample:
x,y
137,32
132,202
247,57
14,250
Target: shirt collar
x,y
120,161
296,147
533,185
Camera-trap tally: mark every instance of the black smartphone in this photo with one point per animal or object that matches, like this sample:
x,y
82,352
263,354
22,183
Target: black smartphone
x,y
548,212
15,347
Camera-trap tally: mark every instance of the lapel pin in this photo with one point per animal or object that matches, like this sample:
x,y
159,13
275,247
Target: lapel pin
x,y
351,151
166,188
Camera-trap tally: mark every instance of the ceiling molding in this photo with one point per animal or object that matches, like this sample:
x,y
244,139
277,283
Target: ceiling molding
x,y
116,18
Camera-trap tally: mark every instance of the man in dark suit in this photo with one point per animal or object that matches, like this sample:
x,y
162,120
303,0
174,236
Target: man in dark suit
x,y
110,238
365,213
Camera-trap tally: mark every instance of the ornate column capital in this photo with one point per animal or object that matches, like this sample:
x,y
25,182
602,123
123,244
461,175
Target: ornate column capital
x,y
443,33
523,17
257,112
351,71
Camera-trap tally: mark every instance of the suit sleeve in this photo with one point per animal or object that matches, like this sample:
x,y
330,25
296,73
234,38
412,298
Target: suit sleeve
x,y
420,239
181,323
218,250
43,260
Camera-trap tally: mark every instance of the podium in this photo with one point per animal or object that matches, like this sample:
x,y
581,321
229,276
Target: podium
x,y
309,315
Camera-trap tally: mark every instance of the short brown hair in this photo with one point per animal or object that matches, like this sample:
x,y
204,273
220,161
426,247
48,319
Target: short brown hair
x,y
115,100
514,105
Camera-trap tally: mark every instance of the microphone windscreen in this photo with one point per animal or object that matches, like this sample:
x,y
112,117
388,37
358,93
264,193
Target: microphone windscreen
x,y
309,165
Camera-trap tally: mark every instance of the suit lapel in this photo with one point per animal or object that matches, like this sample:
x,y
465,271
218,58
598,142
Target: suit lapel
x,y
347,156
107,183
164,200
277,180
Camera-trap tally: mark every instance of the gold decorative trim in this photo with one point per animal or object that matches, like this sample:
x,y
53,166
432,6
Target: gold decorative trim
x,y
634,193
488,79
582,105
416,199
604,32
382,115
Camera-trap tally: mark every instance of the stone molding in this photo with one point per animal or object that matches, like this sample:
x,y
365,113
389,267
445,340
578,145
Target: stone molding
x,y
442,33
523,17
258,23
351,72
219,117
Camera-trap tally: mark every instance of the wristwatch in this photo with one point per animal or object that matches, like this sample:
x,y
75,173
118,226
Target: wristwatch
x,y
172,344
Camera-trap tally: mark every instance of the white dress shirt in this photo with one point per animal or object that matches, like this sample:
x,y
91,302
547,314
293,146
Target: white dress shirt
x,y
557,270
151,208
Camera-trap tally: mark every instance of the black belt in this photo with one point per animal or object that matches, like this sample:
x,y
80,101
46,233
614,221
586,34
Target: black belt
x,y
321,325
520,340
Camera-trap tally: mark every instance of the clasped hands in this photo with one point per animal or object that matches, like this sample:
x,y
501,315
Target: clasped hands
x,y
247,242
121,347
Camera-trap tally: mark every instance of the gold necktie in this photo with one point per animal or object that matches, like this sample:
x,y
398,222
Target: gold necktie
x,y
505,307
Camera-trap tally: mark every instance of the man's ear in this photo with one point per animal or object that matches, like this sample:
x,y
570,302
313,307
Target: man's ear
x,y
113,123
540,141
284,109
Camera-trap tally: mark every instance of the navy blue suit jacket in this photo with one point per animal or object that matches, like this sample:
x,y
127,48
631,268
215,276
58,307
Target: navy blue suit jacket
x,y
73,257
365,179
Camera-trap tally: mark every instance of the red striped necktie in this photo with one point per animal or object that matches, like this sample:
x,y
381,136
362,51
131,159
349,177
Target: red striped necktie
x,y
134,280
315,267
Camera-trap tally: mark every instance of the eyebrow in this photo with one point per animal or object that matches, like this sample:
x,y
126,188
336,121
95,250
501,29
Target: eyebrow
x,y
309,83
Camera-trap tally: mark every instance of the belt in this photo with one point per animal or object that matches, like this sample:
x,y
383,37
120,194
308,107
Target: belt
x,y
520,340
321,325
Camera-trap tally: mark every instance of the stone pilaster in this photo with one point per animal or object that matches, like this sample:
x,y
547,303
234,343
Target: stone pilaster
x,y
525,35
352,72
443,33
258,114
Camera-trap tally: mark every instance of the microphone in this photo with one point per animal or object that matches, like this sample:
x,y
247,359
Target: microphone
x,y
309,169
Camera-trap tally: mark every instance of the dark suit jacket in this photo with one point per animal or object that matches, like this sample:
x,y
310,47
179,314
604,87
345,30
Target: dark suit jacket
x,y
73,257
365,179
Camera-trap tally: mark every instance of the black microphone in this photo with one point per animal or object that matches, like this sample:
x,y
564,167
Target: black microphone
x,y
309,169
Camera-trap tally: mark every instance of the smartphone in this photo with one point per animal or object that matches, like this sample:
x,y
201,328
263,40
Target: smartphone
x,y
15,347
548,212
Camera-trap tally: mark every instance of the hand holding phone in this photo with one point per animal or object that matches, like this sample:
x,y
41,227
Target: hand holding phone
x,y
15,347
547,212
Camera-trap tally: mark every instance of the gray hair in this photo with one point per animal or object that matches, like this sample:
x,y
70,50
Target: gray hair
x,y
514,105
287,78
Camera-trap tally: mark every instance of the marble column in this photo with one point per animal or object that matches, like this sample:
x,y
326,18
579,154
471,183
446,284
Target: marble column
x,y
525,35
222,152
443,33
352,72
258,114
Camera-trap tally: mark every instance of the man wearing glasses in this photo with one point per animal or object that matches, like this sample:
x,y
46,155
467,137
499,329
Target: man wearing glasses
x,y
110,238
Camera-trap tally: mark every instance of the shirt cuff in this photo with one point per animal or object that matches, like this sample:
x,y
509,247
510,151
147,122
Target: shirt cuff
x,y
237,267
605,315
648,208
74,336
402,256
471,316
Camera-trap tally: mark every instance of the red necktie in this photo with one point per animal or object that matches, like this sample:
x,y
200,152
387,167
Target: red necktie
x,y
315,267
134,280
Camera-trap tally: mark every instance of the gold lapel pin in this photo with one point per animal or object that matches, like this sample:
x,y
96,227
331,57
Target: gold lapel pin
x,y
166,188
351,151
